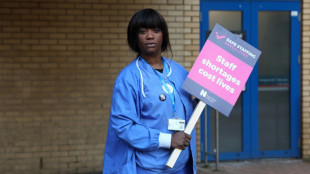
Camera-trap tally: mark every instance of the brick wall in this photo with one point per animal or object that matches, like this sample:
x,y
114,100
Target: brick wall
x,y
58,63
305,79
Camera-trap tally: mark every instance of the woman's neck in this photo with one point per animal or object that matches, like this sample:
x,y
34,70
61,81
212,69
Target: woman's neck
x,y
155,62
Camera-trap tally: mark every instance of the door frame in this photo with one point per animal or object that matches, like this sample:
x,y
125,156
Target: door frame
x,y
250,11
293,7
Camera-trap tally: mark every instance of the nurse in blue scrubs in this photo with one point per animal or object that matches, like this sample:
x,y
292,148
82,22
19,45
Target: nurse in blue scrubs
x,y
149,108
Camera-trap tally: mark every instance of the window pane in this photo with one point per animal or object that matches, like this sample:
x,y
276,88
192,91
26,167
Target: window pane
x,y
274,81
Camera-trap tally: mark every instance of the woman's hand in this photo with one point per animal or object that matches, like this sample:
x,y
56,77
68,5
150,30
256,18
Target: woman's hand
x,y
180,140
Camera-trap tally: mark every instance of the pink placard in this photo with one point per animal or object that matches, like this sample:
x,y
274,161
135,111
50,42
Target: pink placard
x,y
220,72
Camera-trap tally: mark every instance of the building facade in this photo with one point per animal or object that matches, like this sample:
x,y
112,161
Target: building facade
x,y
59,60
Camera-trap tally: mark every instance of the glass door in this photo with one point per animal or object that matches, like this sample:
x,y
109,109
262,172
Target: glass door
x,y
265,120
233,139
278,80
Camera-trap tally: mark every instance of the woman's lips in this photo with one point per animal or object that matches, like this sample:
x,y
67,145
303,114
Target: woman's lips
x,y
150,44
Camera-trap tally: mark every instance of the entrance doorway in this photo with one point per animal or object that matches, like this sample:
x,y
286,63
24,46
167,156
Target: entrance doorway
x,y
265,121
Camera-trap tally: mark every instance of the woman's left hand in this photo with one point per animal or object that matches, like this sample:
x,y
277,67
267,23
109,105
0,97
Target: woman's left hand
x,y
180,140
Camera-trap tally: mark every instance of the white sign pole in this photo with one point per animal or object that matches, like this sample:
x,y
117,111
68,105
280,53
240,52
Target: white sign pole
x,y
188,129
217,144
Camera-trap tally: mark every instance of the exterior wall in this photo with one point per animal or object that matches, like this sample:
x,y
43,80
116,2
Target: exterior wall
x,y
58,63
305,51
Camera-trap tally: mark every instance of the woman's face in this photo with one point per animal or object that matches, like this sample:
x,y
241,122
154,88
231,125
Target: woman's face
x,y
150,41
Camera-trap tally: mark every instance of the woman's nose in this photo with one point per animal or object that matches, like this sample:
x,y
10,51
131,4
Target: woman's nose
x,y
150,34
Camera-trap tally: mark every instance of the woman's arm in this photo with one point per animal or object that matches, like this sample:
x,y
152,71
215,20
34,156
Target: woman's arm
x,y
125,119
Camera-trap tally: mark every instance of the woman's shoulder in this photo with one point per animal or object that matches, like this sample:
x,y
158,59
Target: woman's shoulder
x,y
128,74
176,66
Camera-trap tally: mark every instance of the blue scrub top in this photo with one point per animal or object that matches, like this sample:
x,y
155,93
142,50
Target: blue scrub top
x,y
138,116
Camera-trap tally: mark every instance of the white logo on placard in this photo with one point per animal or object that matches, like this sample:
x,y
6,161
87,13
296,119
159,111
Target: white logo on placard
x,y
169,87
204,94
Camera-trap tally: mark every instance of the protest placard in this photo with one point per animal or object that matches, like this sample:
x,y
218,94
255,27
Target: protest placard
x,y
221,70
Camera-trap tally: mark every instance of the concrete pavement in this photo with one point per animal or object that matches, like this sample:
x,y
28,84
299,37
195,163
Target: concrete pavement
x,y
260,166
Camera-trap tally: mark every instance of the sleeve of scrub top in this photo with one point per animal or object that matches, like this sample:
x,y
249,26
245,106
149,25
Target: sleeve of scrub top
x,y
125,119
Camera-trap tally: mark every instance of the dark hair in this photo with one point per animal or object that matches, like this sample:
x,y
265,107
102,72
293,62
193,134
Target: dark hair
x,y
147,18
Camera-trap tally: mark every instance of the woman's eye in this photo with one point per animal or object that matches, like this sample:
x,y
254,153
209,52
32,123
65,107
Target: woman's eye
x,y
141,31
157,30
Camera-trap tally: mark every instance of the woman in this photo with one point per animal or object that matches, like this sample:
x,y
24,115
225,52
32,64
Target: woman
x,y
149,108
